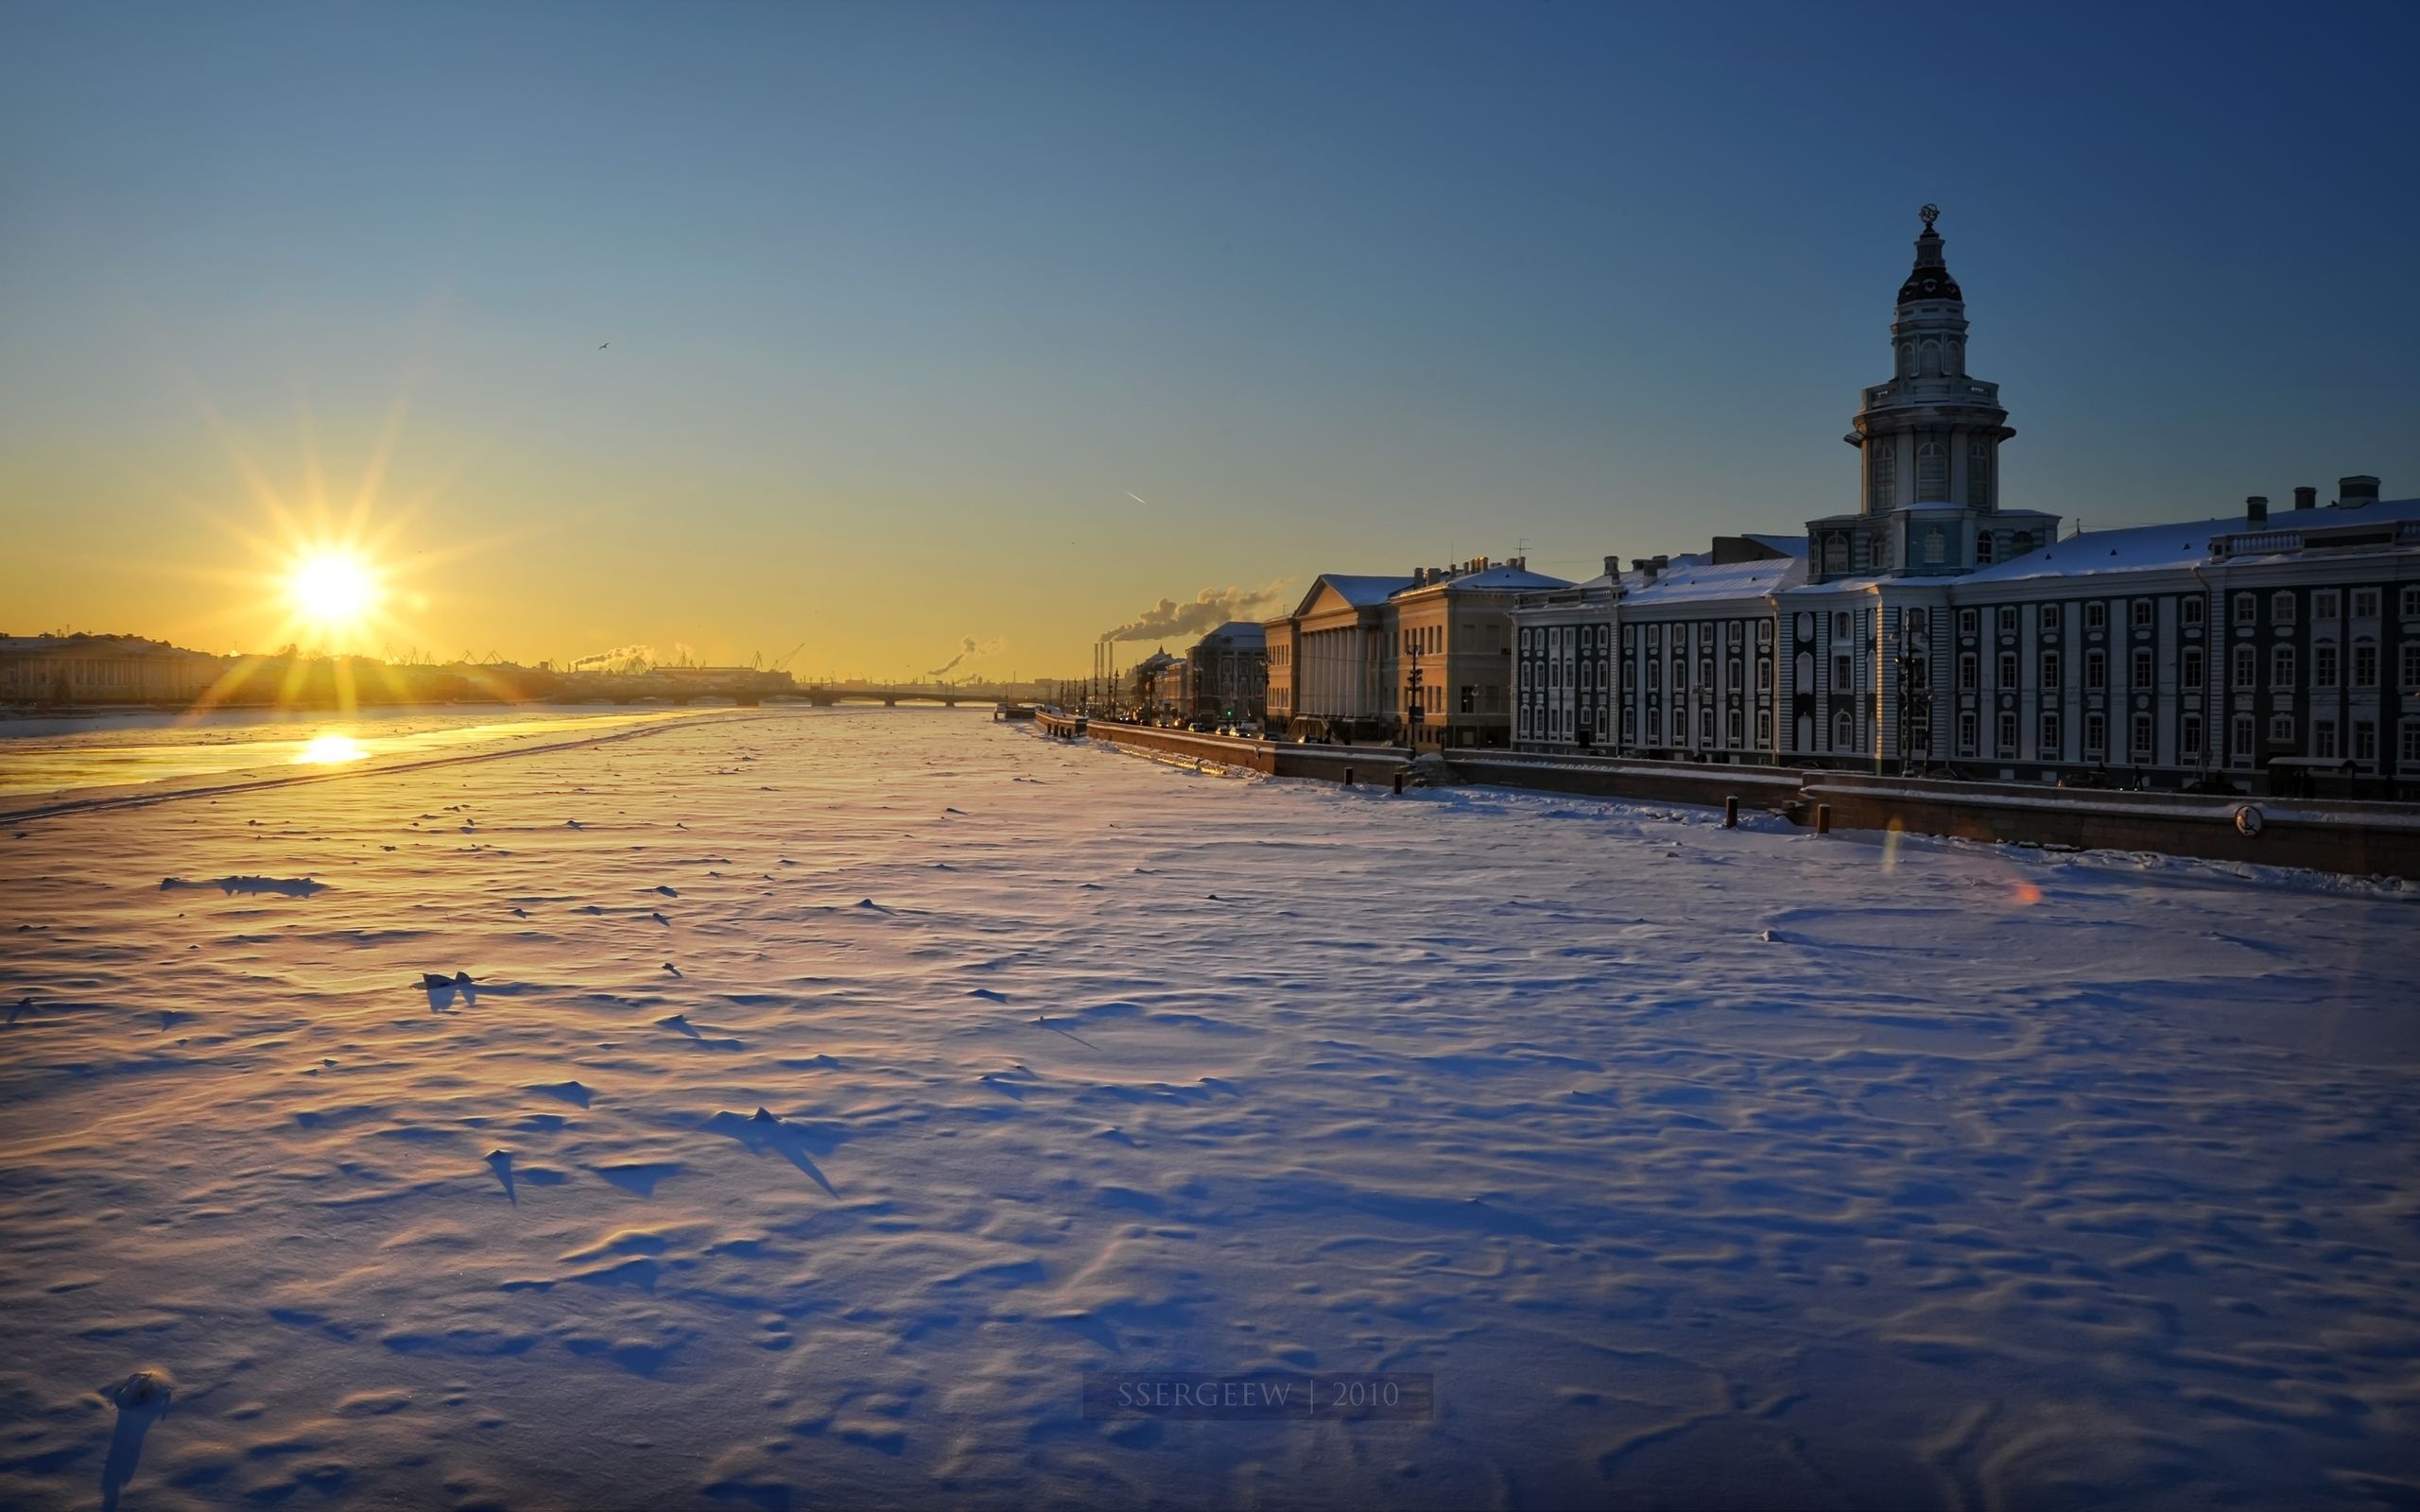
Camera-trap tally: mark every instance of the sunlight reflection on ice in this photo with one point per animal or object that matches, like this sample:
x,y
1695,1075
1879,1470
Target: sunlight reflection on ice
x,y
330,750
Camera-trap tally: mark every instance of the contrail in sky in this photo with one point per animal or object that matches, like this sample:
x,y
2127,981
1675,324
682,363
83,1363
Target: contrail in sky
x,y
1138,498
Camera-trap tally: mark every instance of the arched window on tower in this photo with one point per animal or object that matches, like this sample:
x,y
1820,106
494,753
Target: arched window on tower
x,y
1983,548
1907,359
1932,472
1978,473
1936,547
1930,366
1886,471
1836,554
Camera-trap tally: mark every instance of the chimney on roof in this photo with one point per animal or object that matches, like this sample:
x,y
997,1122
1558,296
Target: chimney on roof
x,y
2306,498
1647,566
2356,490
1613,566
2255,509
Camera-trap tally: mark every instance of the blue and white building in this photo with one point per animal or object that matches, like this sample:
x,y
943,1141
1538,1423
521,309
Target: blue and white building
x,y
1937,627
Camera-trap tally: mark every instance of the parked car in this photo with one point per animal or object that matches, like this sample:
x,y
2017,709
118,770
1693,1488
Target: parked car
x,y
2096,782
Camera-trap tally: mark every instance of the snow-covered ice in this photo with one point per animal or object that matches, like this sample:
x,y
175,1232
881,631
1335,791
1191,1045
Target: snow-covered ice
x,y
830,1090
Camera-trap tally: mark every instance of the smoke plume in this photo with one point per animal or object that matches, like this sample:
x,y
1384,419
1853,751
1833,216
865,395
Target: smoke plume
x,y
637,659
620,658
1206,611
966,647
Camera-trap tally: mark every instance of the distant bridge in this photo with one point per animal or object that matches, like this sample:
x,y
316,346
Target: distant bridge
x,y
750,687
950,694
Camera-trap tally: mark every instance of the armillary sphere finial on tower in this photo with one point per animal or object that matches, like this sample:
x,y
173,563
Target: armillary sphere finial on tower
x,y
1930,214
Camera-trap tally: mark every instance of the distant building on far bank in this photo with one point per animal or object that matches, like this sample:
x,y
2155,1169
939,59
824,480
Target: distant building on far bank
x,y
1227,670
1159,686
80,668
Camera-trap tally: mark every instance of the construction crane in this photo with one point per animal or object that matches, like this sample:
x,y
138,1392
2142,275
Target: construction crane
x,y
785,657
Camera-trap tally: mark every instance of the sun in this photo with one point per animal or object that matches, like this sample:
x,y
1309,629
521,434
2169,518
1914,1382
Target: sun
x,y
332,589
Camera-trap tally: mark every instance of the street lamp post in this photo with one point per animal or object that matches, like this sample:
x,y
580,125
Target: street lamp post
x,y
1415,715
1915,711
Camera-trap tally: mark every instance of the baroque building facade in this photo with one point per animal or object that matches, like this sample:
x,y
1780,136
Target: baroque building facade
x,y
1937,628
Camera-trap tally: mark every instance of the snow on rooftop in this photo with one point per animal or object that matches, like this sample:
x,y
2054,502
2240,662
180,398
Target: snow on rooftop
x,y
1495,577
1361,590
1244,632
2148,548
1696,578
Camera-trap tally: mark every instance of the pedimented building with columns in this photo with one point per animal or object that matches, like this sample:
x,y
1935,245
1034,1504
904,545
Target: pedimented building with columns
x,y
1937,626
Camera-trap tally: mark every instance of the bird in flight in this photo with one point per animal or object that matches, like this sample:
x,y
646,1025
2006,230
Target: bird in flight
x,y
603,344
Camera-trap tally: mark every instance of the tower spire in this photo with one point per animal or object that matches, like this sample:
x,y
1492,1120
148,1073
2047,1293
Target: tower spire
x,y
1930,278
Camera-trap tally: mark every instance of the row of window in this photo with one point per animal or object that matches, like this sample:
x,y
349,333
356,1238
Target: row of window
x,y
1841,624
2326,743
1564,672
2325,665
1735,632
2141,613
2326,668
1557,724
2326,603
1567,638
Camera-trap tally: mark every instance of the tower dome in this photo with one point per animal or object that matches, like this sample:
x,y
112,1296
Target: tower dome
x,y
1928,438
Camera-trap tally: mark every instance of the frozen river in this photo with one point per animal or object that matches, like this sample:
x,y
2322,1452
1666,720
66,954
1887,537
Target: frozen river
x,y
52,755
1699,1167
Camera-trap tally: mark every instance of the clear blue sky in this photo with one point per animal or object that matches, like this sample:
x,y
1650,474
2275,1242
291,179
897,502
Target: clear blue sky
x,y
905,301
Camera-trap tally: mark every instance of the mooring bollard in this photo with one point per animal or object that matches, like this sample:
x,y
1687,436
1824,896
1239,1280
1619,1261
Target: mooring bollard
x,y
1398,785
1822,818
1348,777
1731,813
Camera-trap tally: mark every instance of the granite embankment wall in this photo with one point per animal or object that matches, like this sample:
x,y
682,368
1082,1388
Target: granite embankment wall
x,y
1329,763
2368,839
